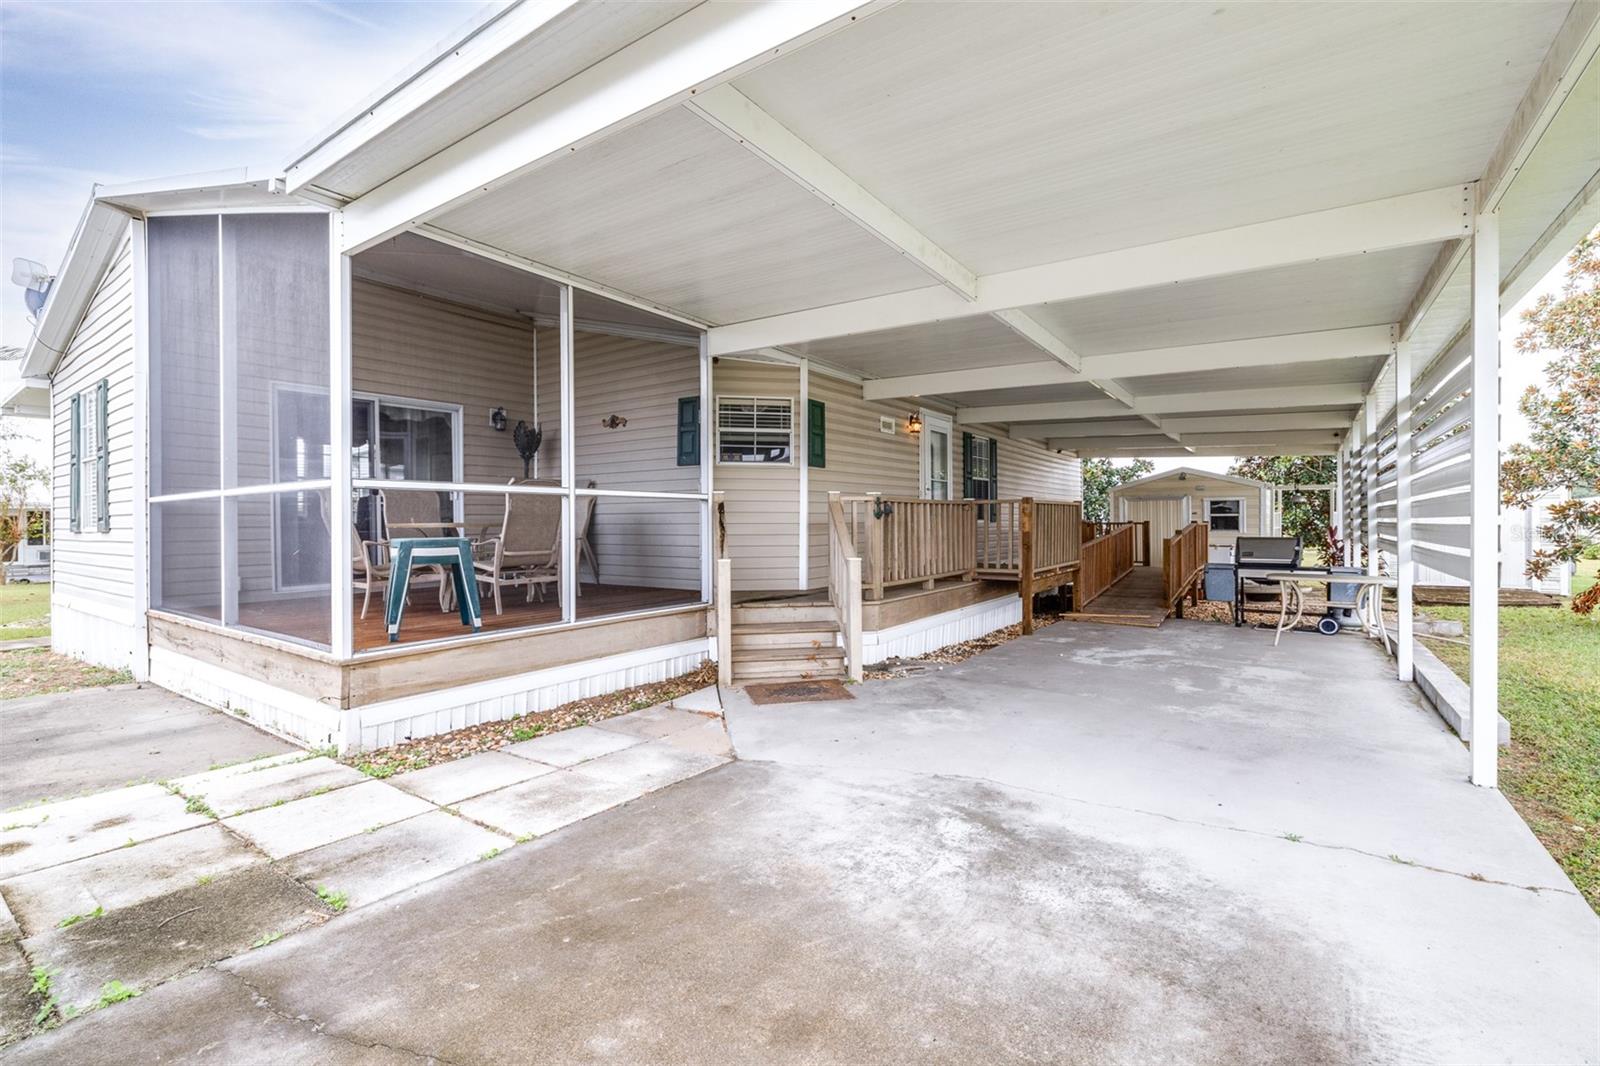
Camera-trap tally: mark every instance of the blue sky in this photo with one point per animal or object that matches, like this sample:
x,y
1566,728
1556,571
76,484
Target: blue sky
x,y
121,91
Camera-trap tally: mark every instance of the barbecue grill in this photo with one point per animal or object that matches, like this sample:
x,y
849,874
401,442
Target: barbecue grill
x,y
1260,556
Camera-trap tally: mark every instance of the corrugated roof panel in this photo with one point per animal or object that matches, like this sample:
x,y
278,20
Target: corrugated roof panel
x,y
568,44
953,345
1021,133
1353,291
675,212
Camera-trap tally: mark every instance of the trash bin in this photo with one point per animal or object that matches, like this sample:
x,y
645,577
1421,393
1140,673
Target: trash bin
x,y
1220,582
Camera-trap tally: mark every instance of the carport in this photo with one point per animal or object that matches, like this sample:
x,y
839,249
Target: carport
x,y
1123,229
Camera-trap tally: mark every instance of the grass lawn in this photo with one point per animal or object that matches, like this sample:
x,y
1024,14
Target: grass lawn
x,y
37,671
1550,693
24,611
1588,573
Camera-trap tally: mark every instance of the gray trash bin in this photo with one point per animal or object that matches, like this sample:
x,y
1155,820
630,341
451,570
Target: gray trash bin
x,y
1220,582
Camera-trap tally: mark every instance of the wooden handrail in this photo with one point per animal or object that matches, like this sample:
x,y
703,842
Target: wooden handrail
x,y
1106,560
1183,563
844,583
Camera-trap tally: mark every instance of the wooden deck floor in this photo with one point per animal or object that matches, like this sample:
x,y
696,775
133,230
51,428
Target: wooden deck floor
x,y
307,619
1137,600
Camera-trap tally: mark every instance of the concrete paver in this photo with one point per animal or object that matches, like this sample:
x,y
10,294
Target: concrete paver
x,y
652,722
547,803
318,820
123,877
69,743
649,766
474,775
17,1004
711,738
370,866
572,746
238,789
52,833
701,701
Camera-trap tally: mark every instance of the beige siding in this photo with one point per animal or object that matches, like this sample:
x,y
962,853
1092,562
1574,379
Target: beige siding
x,y
90,565
763,499
1198,489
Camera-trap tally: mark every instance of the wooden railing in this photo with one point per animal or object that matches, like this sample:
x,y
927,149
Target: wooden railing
x,y
903,540
1106,560
1092,529
1055,528
1183,563
844,583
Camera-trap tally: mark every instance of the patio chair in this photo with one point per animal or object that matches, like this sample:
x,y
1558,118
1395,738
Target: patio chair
x,y
416,513
534,568
367,573
529,537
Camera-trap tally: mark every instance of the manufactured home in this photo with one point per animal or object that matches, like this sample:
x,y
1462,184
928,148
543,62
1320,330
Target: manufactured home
x,y
617,336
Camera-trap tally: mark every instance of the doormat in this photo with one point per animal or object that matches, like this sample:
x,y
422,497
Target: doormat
x,y
798,692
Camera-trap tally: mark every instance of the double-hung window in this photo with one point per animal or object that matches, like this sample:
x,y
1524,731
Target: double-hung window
x,y
755,429
1225,516
90,464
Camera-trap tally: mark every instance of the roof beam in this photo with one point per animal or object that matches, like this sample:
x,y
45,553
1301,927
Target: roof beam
x,y
1395,222
946,382
703,47
1176,403
1127,427
1149,440
735,114
1324,345
1329,420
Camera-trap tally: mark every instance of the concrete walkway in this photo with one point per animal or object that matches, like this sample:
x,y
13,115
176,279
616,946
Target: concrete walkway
x,y
1098,844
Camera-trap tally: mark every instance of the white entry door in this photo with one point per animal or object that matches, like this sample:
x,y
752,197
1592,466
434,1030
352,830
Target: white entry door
x,y
936,449
1166,515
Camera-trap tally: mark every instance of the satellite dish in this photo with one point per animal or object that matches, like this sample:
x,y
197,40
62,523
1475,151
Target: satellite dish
x,y
35,280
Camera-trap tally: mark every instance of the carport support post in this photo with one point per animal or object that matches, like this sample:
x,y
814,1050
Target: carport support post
x,y
1484,609
1405,572
1025,562
1369,478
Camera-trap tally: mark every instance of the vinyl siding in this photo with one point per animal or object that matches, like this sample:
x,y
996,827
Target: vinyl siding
x,y
1199,489
763,499
91,566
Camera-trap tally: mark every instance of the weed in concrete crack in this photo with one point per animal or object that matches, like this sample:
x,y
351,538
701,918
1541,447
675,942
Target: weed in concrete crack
x,y
528,733
278,803
491,853
331,751
378,770
198,805
319,791
373,828
267,938
337,900
1403,862
205,879
24,825
47,999
114,991
1293,838
524,838
1476,877
74,919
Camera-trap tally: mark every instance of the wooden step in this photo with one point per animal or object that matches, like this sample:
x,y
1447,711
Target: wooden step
x,y
758,635
760,613
786,672
770,663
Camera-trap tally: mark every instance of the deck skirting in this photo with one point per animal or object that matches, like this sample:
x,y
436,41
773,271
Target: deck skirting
x,y
938,630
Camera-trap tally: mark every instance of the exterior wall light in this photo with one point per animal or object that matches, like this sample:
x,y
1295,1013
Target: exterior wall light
x,y
497,419
914,422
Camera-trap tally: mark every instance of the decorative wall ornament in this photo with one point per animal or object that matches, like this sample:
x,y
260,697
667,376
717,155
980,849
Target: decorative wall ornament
x,y
527,439
614,422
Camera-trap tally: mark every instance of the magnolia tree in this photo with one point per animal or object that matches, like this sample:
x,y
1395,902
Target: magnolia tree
x,y
1307,513
1100,476
1563,446
20,477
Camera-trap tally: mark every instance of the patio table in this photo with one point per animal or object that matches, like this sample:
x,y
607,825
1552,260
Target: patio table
x,y
449,553
1368,604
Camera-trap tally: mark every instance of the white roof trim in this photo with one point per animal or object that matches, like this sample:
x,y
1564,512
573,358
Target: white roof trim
x,y
94,244
1193,473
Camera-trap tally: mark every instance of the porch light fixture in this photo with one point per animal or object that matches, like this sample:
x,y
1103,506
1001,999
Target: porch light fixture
x,y
497,419
914,422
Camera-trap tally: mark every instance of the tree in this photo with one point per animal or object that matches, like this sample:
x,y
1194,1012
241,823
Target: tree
x,y
1100,476
19,476
1563,449
1307,515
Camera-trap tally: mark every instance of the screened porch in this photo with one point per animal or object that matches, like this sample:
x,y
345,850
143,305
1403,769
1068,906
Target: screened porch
x,y
309,418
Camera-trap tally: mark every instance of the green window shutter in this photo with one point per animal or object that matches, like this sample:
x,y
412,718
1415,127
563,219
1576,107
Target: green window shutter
x,y
966,466
689,431
102,459
76,467
994,467
816,433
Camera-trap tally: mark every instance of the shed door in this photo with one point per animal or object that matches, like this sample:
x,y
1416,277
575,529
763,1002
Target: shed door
x,y
1166,515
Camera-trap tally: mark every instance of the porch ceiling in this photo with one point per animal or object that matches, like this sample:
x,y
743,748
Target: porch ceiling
x,y
957,344
1329,372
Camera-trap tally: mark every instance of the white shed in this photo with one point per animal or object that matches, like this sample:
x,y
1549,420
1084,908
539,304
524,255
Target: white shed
x,y
1172,499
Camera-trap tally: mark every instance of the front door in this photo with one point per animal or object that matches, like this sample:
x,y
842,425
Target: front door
x,y
936,434
1166,515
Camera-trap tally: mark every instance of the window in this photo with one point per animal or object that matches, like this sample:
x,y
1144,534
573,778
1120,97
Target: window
x,y
402,440
1225,516
978,467
754,429
90,461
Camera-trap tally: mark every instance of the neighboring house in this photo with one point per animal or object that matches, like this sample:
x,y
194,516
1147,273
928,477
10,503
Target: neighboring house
x,y
1231,506
1519,539
734,259
29,559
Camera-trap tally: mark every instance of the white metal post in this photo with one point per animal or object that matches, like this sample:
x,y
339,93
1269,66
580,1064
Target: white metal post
x,y
802,535
142,422
708,552
341,500
1369,479
1405,572
569,467
227,437
1336,512
1484,609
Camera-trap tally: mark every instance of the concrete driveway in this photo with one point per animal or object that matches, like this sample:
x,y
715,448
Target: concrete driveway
x,y
1097,844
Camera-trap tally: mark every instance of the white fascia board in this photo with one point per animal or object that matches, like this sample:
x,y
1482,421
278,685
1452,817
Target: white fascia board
x,y
708,45
1328,420
1575,44
1041,412
1168,450
1251,399
1127,444
1128,427
450,66
93,246
947,382
1396,222
1247,437
726,109
1353,343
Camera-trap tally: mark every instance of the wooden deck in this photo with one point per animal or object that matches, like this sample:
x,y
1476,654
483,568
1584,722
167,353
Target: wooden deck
x,y
1137,600
307,619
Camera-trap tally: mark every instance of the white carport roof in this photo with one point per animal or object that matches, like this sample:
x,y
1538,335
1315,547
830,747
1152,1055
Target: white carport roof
x,y
1123,229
